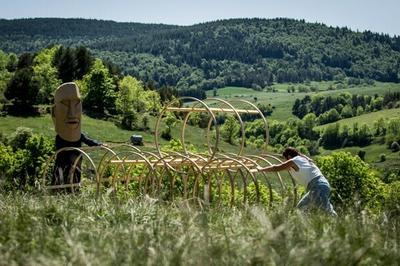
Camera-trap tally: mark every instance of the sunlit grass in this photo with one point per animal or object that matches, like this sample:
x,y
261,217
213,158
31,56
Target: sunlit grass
x,y
80,230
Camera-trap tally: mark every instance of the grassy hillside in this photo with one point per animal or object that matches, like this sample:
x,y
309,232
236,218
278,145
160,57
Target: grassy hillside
x,y
372,155
283,101
108,132
375,150
101,130
368,119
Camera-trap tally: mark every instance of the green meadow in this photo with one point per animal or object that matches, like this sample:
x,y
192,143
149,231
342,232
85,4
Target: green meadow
x,y
368,119
283,101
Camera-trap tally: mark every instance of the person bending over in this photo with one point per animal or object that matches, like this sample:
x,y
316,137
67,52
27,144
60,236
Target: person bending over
x,y
306,173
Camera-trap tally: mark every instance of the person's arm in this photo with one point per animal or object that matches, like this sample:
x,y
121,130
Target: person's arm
x,y
90,142
280,167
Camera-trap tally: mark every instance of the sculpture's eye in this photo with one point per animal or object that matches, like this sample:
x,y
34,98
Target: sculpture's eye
x,y
65,103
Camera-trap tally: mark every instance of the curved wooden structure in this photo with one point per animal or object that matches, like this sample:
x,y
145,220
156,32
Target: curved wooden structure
x,y
207,177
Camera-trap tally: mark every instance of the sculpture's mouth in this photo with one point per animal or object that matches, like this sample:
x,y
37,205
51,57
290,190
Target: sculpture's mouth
x,y
72,123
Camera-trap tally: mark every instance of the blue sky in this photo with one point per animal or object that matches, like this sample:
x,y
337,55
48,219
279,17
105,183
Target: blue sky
x,y
377,16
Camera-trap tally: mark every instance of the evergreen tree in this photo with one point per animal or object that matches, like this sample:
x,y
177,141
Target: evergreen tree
x,y
66,65
12,62
84,61
22,91
25,61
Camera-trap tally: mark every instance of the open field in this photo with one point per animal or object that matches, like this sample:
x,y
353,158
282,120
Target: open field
x,y
368,119
283,101
373,151
372,155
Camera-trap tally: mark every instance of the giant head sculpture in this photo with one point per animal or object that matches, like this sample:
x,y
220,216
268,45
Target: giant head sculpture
x,y
67,112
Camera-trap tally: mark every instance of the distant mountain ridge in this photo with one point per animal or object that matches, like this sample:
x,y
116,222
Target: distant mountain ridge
x,y
236,52
63,27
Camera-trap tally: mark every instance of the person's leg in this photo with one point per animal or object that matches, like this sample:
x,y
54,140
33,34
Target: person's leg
x,y
332,211
322,199
304,202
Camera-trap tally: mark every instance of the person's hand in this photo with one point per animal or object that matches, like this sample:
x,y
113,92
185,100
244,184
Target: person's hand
x,y
104,144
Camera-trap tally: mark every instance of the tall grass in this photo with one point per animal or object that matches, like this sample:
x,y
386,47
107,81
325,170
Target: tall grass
x,y
82,230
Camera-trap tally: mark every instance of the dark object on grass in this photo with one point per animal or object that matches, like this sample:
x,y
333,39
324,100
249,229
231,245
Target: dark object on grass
x,y
137,140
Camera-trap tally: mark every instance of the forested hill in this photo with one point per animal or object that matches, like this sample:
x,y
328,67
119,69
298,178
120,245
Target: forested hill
x,y
64,28
236,52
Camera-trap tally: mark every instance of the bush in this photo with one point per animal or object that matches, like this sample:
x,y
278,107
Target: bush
x,y
391,175
20,137
6,161
392,200
351,179
259,142
382,157
22,163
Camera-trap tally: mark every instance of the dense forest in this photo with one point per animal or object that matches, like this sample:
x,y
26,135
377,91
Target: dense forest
x,y
236,52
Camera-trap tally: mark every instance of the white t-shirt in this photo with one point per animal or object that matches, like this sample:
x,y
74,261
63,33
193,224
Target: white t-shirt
x,y
307,170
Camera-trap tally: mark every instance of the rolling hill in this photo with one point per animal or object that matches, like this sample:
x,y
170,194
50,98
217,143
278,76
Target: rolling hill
x,y
368,119
283,101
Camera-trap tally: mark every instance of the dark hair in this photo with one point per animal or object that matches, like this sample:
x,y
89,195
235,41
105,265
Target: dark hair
x,y
290,151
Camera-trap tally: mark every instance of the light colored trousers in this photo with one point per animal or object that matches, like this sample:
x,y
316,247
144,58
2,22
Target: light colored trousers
x,y
317,196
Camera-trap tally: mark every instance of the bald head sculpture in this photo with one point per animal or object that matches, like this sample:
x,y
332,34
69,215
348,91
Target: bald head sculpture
x,y
67,112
